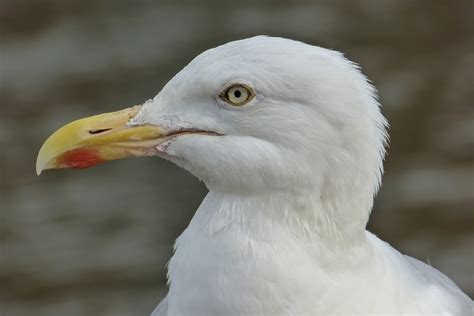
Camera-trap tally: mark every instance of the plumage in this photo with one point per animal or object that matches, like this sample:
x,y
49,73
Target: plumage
x,y
282,230
290,141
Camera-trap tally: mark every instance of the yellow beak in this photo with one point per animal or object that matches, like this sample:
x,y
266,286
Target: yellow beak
x,y
89,141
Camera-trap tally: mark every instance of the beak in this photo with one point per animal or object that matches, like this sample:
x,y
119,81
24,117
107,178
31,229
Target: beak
x,y
92,140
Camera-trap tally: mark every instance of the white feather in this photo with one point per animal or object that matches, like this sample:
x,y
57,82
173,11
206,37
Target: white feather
x,y
292,181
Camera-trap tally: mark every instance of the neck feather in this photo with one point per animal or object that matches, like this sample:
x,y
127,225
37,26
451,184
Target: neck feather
x,y
305,215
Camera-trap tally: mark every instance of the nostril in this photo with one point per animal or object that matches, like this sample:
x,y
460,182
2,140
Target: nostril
x,y
98,131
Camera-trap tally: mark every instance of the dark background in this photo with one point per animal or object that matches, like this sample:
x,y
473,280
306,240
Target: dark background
x,y
95,242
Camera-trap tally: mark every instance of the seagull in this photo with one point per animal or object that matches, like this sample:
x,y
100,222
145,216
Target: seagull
x,y
290,142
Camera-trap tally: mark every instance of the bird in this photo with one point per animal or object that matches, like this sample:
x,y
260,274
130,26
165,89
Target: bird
x,y
289,140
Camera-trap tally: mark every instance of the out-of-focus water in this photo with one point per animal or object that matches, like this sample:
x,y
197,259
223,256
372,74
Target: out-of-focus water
x,y
95,242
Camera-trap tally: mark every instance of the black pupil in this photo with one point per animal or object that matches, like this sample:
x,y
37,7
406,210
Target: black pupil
x,y
237,93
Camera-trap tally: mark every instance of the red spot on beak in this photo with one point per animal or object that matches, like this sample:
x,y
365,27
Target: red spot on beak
x,y
80,158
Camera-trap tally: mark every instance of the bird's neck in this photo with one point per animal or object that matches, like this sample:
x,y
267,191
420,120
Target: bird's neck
x,y
304,215
255,247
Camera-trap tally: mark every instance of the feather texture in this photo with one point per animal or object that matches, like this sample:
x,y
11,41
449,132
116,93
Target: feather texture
x,y
292,176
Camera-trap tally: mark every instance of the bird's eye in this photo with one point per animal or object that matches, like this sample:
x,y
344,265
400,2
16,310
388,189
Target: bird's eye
x,y
237,95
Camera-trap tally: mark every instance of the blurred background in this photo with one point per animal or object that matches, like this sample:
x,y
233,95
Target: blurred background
x,y
96,241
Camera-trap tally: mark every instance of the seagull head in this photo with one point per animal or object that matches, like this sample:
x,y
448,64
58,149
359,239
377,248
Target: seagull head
x,y
262,114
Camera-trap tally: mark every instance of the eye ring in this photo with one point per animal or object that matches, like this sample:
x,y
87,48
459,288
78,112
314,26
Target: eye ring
x,y
237,94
